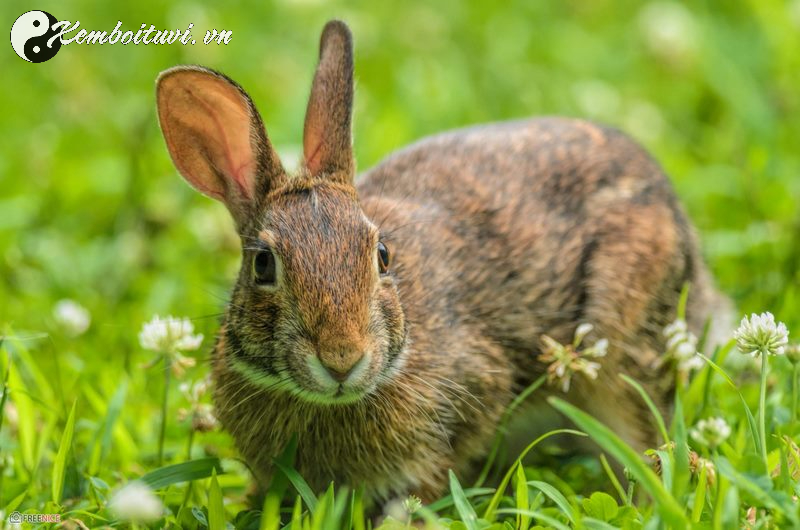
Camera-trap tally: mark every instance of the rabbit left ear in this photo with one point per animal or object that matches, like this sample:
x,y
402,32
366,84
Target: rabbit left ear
x,y
327,137
216,138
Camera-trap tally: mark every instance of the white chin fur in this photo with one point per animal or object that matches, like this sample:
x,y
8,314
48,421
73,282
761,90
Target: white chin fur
x,y
328,383
329,392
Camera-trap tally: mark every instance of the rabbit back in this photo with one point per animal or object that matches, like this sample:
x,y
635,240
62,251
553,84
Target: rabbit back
x,y
530,227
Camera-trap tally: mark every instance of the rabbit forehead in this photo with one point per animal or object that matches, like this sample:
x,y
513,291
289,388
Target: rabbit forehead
x,y
318,216
328,249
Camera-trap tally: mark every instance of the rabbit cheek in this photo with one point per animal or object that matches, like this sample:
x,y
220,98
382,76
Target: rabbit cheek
x,y
388,327
300,358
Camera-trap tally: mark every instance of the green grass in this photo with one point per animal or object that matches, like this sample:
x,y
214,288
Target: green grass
x,y
693,485
91,210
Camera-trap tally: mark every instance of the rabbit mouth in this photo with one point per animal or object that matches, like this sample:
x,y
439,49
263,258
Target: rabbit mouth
x,y
298,371
320,386
312,382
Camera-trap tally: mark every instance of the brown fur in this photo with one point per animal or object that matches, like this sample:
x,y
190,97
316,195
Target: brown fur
x,y
498,234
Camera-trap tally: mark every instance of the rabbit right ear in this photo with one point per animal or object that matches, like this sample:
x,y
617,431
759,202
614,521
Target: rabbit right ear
x,y
216,138
327,140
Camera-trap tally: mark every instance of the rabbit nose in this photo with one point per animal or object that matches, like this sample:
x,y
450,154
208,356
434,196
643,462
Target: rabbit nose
x,y
339,377
340,353
340,367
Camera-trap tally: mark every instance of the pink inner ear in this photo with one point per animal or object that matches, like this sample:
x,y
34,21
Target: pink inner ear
x,y
189,162
314,154
207,124
231,121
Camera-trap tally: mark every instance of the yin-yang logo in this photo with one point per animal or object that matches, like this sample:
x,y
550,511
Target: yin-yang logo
x,y
30,35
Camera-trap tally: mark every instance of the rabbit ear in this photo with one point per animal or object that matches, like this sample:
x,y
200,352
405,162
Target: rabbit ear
x,y
216,138
327,141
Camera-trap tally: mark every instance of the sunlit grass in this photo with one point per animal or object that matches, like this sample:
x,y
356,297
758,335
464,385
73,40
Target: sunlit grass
x,y
85,464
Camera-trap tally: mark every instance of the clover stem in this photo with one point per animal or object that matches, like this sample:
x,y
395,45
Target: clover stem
x,y
795,376
762,410
163,432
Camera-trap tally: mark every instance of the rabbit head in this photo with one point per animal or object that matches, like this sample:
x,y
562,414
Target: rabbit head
x,y
315,310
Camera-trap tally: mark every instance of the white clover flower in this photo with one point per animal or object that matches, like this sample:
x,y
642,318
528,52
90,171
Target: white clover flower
x,y
201,414
394,510
73,317
580,333
688,365
682,348
710,432
193,392
760,334
169,335
598,349
412,504
669,30
136,502
679,326
180,363
566,360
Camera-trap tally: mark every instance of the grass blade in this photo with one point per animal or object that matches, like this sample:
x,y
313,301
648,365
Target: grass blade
x,y
489,514
27,415
34,379
666,462
596,524
16,502
751,421
683,300
297,514
521,497
447,501
662,427
336,516
183,472
700,495
60,464
556,496
612,477
498,438
726,506
681,475
271,512
551,521
216,510
463,507
757,491
103,445
357,510
324,509
605,438
4,390
300,485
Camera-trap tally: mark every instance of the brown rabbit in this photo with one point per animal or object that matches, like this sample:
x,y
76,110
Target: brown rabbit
x,y
387,324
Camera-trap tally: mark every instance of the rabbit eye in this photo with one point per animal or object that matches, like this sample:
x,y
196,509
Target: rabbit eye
x,y
383,258
264,267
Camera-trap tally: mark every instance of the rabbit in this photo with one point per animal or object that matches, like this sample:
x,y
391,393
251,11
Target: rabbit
x,y
387,322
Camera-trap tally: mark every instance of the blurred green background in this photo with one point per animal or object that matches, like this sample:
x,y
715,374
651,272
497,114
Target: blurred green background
x,y
91,208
